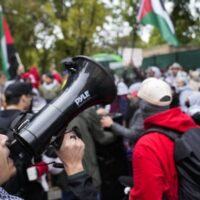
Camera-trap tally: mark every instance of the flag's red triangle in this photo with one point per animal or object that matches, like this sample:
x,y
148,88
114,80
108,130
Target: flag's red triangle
x,y
145,9
8,36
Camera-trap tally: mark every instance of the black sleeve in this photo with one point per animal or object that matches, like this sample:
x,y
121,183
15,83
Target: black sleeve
x,y
81,185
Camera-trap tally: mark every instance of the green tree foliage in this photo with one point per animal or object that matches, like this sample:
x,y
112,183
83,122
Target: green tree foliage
x,y
129,13
183,20
79,25
46,31
155,39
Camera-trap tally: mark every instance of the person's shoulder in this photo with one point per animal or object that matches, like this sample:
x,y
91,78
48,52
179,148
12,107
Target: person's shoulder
x,y
9,114
152,140
152,144
6,118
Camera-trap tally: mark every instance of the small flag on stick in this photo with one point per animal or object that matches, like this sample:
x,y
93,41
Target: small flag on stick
x,y
8,54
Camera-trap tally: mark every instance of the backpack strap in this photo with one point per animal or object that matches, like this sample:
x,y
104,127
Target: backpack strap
x,y
165,131
19,119
182,148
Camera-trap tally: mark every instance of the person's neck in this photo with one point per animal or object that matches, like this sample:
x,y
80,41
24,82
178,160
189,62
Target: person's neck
x,y
13,107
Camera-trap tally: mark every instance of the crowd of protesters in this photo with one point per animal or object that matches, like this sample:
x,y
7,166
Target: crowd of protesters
x,y
113,135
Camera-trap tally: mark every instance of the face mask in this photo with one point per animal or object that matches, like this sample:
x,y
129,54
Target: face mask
x,y
179,89
142,104
149,109
134,102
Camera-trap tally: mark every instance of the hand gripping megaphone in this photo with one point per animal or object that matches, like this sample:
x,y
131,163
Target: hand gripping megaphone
x,y
89,84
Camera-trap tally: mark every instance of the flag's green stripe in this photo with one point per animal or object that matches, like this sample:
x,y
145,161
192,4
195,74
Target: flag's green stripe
x,y
161,24
3,53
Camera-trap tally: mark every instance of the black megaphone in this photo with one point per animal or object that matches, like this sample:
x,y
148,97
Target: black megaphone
x,y
89,84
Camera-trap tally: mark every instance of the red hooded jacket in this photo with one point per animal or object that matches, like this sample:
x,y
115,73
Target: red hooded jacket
x,y
154,171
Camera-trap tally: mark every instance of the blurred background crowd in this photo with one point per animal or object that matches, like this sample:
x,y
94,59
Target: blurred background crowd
x,y
109,132
44,32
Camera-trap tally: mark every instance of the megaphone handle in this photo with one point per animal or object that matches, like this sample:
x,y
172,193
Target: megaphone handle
x,y
58,165
58,141
77,132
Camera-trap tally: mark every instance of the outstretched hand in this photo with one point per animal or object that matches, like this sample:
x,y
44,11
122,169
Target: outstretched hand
x,y
106,121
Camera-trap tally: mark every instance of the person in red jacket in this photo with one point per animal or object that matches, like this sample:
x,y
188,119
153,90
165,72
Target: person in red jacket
x,y
154,171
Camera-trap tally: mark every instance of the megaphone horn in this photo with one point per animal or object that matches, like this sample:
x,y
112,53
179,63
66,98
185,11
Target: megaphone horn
x,y
89,84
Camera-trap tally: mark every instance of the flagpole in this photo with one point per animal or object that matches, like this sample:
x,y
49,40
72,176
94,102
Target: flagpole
x,y
135,28
18,58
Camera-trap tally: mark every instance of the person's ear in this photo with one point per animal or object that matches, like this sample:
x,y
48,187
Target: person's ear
x,y
23,98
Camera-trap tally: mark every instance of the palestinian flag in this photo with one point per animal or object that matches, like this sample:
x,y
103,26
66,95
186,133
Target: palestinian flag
x,y
7,49
3,48
153,12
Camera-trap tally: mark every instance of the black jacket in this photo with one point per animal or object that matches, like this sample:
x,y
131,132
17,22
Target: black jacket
x,y
81,185
6,118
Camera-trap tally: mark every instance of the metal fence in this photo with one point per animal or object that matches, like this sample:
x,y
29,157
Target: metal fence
x,y
188,59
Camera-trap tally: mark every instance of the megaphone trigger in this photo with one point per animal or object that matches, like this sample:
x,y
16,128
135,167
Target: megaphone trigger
x,y
77,132
57,142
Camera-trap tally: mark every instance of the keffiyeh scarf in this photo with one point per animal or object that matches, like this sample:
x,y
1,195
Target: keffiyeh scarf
x,y
5,196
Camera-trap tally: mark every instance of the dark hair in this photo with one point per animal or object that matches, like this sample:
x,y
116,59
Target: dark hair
x,y
10,100
49,75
